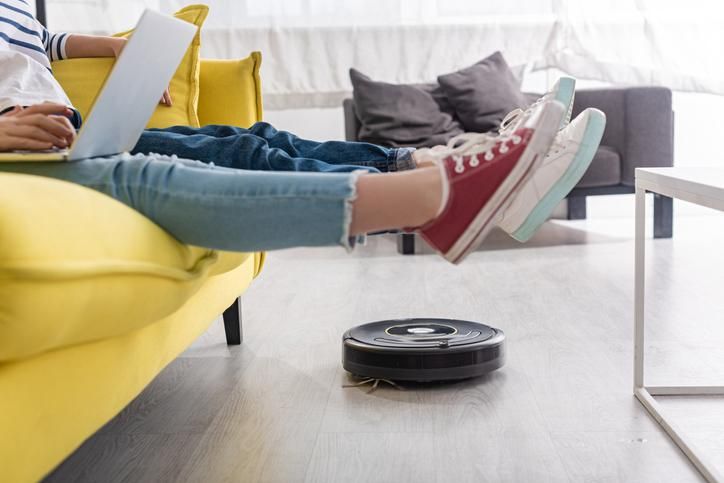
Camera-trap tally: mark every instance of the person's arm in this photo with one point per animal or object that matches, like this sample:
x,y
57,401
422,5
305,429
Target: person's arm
x,y
62,45
78,45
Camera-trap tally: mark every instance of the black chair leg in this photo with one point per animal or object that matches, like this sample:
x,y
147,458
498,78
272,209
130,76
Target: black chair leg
x,y
232,323
406,243
663,216
577,208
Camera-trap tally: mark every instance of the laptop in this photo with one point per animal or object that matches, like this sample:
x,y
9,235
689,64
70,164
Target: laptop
x,y
129,95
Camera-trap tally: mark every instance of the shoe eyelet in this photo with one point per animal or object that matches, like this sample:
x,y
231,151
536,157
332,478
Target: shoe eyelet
x,y
503,149
489,156
459,169
474,161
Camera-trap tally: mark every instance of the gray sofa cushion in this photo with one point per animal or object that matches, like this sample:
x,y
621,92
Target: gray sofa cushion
x,y
605,169
402,115
483,94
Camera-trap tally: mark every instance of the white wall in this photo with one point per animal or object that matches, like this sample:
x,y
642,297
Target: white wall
x,y
320,124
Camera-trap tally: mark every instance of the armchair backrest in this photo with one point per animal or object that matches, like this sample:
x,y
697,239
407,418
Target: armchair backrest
x,y
230,91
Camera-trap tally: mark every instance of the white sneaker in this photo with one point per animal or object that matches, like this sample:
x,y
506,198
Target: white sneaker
x,y
563,91
564,165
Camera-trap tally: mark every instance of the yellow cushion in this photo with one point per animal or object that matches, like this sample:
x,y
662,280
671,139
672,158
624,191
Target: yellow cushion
x,y
82,79
230,91
76,266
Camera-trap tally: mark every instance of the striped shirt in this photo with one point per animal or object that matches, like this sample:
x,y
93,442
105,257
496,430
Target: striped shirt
x,y
21,32
26,50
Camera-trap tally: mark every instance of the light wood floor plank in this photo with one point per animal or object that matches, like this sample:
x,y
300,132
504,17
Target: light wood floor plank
x,y
367,457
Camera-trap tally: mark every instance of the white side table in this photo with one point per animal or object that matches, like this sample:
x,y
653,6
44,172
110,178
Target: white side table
x,y
703,186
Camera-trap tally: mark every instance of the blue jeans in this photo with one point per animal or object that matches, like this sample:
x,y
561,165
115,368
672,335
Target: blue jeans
x,y
216,207
263,148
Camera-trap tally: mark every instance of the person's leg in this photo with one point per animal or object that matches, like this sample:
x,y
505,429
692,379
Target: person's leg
x,y
262,147
337,152
248,211
241,150
396,200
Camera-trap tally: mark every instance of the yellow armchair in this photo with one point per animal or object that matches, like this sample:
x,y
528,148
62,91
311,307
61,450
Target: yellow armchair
x,y
72,354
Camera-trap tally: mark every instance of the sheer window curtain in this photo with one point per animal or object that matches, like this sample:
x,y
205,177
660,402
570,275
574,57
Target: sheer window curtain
x,y
309,45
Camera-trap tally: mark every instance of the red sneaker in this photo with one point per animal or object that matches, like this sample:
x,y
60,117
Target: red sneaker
x,y
482,173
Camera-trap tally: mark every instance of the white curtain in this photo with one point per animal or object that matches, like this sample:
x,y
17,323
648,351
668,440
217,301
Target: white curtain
x,y
309,45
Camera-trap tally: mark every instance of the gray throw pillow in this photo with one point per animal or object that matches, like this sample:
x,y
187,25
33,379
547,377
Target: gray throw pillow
x,y
483,94
402,115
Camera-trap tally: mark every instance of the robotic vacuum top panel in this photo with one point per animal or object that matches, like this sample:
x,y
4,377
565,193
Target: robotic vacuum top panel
x,y
421,333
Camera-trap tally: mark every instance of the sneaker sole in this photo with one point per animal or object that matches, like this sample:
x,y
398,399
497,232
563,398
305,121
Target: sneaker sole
x,y
486,219
565,95
581,161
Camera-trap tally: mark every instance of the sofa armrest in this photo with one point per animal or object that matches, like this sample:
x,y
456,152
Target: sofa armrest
x,y
230,91
351,121
640,125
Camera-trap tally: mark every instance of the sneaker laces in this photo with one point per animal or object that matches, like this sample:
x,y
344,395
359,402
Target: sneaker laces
x,y
510,120
473,144
560,143
513,118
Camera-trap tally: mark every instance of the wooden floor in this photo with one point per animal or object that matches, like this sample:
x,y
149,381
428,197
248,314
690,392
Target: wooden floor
x,y
562,409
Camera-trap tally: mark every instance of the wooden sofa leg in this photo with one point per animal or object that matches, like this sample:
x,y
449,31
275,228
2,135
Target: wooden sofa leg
x,y
663,216
577,208
232,323
406,243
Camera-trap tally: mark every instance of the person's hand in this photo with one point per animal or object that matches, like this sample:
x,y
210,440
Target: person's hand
x,y
59,113
117,45
166,98
36,128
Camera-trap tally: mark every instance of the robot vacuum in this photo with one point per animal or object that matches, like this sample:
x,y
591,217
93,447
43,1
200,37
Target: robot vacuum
x,y
422,350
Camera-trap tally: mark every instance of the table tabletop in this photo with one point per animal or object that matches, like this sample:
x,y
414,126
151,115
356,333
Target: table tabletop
x,y
700,185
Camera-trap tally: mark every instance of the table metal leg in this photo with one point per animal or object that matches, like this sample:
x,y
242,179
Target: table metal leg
x,y
640,266
685,390
704,467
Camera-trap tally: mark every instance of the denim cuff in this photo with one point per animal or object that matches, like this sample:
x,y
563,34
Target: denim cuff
x,y
349,241
404,160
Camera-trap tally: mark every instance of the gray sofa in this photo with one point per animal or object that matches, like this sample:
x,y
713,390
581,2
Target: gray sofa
x,y
639,133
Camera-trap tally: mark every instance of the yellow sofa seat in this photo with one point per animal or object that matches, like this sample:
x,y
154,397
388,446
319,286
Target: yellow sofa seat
x,y
69,368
